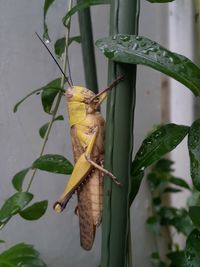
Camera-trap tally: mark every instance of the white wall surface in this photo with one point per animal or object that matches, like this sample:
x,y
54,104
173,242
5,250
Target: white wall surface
x,y
25,66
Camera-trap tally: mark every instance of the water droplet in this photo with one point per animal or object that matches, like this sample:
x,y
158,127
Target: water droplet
x,y
46,40
135,46
125,38
138,38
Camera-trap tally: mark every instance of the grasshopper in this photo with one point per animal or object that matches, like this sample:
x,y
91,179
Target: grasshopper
x,y
87,134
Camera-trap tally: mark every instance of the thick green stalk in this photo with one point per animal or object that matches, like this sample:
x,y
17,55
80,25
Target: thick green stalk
x,y
119,143
88,49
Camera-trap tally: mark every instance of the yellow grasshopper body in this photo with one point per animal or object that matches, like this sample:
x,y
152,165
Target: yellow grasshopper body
x,y
88,134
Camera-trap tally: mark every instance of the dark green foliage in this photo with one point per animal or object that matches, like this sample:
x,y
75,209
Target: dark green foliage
x,y
157,144
177,259
53,163
47,4
192,250
81,5
14,204
49,93
59,46
35,211
194,152
21,255
43,129
160,1
53,88
194,213
18,179
133,49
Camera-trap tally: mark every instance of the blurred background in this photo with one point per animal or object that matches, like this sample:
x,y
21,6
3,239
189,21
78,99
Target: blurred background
x,y
25,65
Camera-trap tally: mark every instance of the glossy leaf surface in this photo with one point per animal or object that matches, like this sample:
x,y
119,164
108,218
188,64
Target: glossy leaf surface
x,y
49,93
21,255
81,5
14,204
53,163
35,211
156,145
133,49
18,179
194,152
192,250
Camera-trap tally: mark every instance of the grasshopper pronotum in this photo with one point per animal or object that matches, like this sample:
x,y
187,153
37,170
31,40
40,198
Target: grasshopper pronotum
x,y
88,134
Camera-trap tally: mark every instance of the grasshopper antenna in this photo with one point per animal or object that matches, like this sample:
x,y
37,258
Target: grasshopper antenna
x,y
67,79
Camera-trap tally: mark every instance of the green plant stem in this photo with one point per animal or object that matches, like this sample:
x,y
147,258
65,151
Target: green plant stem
x,y
119,143
88,49
54,113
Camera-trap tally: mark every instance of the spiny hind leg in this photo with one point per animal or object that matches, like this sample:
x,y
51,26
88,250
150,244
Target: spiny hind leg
x,y
100,168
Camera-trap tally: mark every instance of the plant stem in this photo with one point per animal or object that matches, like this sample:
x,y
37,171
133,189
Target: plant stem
x,y
119,143
54,113
88,49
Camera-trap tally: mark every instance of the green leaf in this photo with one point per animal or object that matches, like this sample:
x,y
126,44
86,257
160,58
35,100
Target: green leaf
x,y
179,182
194,213
153,224
43,129
194,199
46,87
192,250
21,255
176,217
156,261
133,49
14,204
53,163
156,145
35,211
2,241
49,93
164,165
177,259
172,190
47,4
160,1
194,152
23,99
18,179
81,5
59,46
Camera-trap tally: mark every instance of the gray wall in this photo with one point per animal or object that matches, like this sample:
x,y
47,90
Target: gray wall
x,y
25,66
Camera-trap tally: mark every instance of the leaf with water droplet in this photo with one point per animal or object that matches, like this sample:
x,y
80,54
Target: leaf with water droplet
x,y
192,251
46,7
194,152
156,145
133,49
53,163
21,255
81,5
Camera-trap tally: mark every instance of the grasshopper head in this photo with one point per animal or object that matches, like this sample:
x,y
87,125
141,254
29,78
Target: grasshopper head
x,y
79,94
